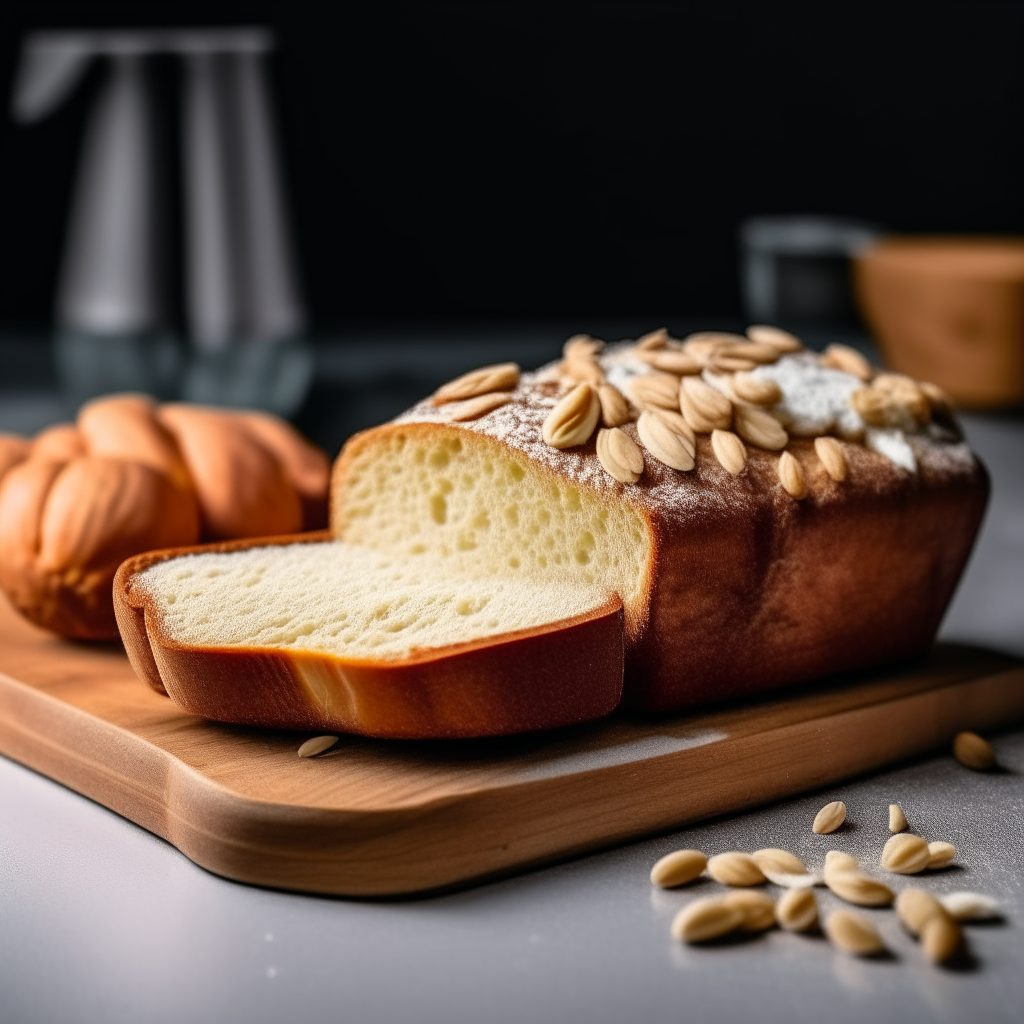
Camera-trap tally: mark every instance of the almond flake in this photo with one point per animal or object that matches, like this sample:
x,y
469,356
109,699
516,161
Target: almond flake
x,y
620,455
849,360
760,428
831,455
791,476
664,442
704,408
474,408
655,390
614,407
755,390
729,451
572,421
500,377
774,336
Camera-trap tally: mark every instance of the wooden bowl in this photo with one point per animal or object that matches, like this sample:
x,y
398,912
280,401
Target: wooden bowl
x,y
949,310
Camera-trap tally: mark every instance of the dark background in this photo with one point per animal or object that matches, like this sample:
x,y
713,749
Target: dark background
x,y
494,160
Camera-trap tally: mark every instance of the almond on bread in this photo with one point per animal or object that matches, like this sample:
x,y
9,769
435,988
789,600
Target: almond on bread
x,y
308,633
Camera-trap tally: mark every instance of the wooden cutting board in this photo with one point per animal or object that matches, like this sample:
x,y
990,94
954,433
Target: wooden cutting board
x,y
374,818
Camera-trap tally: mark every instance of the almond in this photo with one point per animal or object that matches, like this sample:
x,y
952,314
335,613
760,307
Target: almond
x,y
779,861
654,390
853,933
500,377
791,476
317,745
940,938
729,451
831,455
830,817
664,442
973,752
614,407
758,910
892,401
836,860
905,854
704,344
653,340
620,455
703,408
679,425
581,345
727,363
678,868
939,855
856,887
915,907
970,906
774,336
897,819
756,390
797,910
474,408
678,363
572,421
735,868
583,370
754,352
705,919
760,428
849,360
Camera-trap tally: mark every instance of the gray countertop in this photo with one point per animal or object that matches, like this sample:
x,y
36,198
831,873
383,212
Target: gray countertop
x,y
103,922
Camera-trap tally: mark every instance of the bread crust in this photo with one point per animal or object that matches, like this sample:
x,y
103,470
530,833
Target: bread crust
x,y
559,674
749,589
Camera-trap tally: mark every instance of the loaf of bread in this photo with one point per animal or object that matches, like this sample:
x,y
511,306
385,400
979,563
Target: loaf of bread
x,y
765,515
130,476
310,633
768,515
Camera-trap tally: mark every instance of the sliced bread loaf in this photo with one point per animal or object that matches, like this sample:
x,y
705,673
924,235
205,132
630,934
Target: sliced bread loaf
x,y
310,633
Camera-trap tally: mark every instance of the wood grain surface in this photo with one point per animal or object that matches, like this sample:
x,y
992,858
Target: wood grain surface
x,y
377,818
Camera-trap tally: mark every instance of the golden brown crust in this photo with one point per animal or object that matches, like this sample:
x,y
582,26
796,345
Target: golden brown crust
x,y
560,674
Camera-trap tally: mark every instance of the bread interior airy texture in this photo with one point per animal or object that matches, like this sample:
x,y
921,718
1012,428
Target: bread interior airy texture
x,y
347,600
465,502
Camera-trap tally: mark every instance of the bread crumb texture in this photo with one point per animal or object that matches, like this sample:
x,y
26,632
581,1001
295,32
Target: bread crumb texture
x,y
347,600
463,505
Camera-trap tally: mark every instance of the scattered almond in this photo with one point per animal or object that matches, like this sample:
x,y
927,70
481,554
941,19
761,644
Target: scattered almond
x,y
836,860
797,910
729,451
755,389
655,390
973,752
664,442
849,360
705,919
678,868
703,345
474,408
905,854
831,455
897,819
582,345
703,408
760,428
939,855
940,938
892,401
317,745
779,339
970,906
758,910
620,455
853,933
572,421
583,371
831,816
856,887
772,859
653,340
679,425
791,476
614,407
907,392
754,352
915,907
788,880
678,363
735,868
500,377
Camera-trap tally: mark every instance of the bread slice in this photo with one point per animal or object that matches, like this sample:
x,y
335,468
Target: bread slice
x,y
306,632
